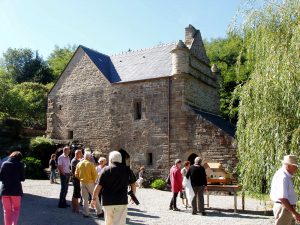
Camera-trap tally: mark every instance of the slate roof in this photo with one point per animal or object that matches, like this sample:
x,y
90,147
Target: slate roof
x,y
145,64
218,121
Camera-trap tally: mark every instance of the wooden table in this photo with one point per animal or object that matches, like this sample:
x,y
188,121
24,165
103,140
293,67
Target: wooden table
x,y
227,188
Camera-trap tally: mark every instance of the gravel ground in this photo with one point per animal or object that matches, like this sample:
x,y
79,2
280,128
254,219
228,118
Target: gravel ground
x,y
39,207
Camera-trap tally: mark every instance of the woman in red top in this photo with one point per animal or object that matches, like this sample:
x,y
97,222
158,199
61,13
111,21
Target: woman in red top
x,y
176,183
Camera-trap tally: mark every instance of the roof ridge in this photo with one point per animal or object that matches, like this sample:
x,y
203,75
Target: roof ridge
x,y
84,47
144,49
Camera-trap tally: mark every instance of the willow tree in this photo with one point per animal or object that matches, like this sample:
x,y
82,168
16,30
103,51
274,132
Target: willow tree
x,y
269,111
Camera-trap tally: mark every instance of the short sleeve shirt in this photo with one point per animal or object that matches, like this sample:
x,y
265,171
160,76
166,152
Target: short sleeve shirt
x,y
282,187
114,181
64,161
74,163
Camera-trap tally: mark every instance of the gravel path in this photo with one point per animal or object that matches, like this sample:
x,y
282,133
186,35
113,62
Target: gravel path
x,y
39,207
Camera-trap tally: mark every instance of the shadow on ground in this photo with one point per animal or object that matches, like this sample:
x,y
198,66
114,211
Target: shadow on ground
x,y
37,210
250,212
246,214
138,213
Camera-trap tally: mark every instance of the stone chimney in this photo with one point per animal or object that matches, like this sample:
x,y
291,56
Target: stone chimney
x,y
180,58
190,32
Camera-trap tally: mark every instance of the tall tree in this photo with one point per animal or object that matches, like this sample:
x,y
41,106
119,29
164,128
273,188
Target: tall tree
x,y
24,65
269,111
59,58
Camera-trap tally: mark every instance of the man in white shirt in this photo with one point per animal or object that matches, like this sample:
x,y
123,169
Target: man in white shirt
x,y
283,194
63,167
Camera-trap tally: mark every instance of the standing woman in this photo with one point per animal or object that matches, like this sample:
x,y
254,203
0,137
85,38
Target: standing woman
x,y
11,175
176,183
53,167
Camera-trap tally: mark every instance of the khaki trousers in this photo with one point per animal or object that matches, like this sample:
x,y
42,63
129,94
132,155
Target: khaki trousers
x,y
86,189
282,215
115,214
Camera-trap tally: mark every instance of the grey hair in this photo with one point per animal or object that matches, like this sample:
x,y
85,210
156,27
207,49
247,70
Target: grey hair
x,y
87,155
198,160
102,158
115,157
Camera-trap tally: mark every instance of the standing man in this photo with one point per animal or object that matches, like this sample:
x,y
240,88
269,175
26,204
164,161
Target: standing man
x,y
87,174
283,194
197,175
113,183
76,181
63,162
176,183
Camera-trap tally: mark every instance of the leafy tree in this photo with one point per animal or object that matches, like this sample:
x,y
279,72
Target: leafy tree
x,y
269,111
59,58
28,102
225,53
23,65
5,86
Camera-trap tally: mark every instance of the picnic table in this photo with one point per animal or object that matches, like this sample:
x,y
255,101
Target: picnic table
x,y
226,188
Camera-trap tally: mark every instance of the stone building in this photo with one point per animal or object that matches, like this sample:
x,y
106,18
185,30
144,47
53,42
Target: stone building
x,y
153,105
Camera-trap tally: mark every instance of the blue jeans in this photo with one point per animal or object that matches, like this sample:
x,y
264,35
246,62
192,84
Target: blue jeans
x,y
64,182
52,175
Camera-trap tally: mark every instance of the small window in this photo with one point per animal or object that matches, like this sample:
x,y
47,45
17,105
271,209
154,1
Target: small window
x,y
150,159
70,134
138,110
59,107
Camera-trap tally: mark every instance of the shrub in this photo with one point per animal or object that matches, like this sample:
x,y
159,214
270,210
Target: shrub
x,y
33,168
11,127
158,184
41,148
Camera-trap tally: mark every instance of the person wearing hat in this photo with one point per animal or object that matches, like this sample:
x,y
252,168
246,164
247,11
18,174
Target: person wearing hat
x,y
176,183
283,194
198,178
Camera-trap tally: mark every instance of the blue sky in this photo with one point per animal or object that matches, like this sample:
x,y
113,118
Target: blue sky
x,y
109,26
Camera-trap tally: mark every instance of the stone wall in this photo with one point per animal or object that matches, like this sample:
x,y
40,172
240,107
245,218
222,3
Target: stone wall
x,y
192,134
210,142
202,95
78,103
149,135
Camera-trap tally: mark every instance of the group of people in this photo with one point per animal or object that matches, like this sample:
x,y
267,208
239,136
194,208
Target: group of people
x,y
111,182
196,175
103,186
282,189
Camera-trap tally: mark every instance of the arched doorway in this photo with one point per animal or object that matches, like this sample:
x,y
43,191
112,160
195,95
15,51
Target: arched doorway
x,y
192,157
125,157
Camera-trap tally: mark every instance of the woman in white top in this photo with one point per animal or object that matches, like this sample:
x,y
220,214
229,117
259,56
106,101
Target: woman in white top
x,y
102,164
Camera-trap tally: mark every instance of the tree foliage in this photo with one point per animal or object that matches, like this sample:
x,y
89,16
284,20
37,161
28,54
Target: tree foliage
x,y
5,85
269,111
28,101
225,53
59,58
25,79
24,65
